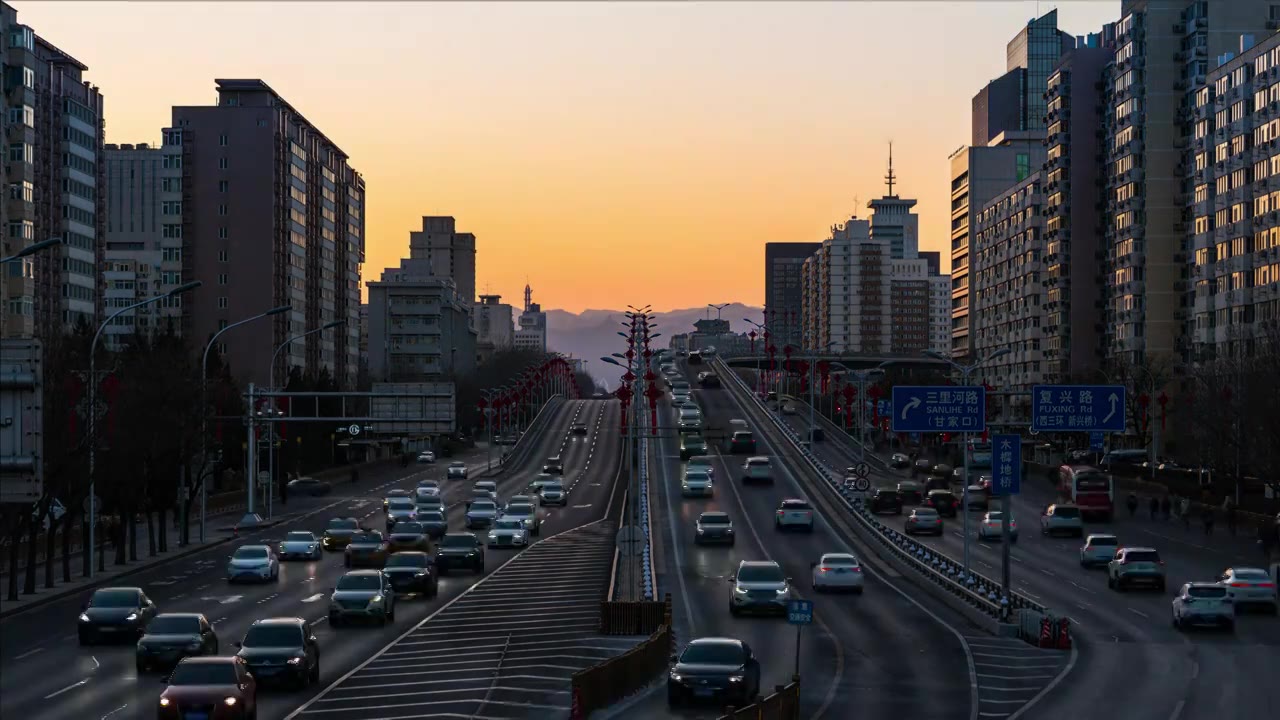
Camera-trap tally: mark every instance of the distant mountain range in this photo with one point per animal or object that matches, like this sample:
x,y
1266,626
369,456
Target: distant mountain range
x,y
592,334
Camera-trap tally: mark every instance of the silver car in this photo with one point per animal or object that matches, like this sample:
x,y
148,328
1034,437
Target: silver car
x,y
434,523
541,479
1250,586
300,544
457,471
759,586
703,462
253,562
362,595
923,520
431,503
525,513
487,485
714,527
554,493
523,499
1062,519
508,532
401,510
757,469
1136,565
1098,550
696,483
481,514
1202,603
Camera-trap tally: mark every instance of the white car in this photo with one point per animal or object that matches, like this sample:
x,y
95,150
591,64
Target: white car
x,y
524,512
837,571
757,469
508,532
1250,586
300,544
428,486
253,562
457,471
1098,550
554,493
540,480
481,514
1204,603
523,499
696,483
703,462
426,457
401,510
794,513
489,485
991,527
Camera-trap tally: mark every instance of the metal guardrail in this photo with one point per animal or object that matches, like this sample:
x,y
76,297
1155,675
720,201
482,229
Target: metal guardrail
x,y
783,704
650,582
600,686
520,449
633,617
979,591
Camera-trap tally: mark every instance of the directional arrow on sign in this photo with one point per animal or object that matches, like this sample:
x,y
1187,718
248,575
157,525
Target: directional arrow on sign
x,y
1114,399
915,403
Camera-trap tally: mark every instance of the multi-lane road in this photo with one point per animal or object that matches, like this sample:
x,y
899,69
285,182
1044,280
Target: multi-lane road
x,y
1134,660
888,653
46,674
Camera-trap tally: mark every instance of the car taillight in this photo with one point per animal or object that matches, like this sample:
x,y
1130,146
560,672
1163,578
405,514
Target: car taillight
x,y
824,569
1239,584
779,513
1266,584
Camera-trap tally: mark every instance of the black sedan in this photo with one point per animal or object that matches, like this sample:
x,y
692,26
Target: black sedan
x,y
116,613
715,669
885,500
173,636
412,572
281,650
459,550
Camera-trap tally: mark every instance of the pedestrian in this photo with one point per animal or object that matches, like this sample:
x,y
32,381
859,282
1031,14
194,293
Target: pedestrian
x,y
1229,510
1185,512
1132,503
1207,516
1267,538
1155,507
1166,507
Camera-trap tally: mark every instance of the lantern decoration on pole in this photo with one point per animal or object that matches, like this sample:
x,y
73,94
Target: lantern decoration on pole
x,y
875,392
623,394
1143,401
1163,400
850,392
991,411
752,337
824,370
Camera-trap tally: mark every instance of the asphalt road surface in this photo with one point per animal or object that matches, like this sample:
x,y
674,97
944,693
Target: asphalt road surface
x,y
1132,660
888,653
45,674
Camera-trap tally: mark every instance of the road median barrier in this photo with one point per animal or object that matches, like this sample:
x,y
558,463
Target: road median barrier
x,y
634,617
975,596
600,686
782,704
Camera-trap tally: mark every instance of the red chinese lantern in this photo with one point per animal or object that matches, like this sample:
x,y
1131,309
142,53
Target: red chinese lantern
x,y
1163,400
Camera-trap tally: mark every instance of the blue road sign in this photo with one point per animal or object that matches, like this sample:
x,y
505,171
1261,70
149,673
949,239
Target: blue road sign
x,y
800,612
1006,467
883,407
937,409
1077,408
1097,440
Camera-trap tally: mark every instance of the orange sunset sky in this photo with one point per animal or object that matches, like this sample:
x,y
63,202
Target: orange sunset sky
x,y
611,153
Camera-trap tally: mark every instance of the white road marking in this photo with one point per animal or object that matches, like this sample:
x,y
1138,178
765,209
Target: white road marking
x,y
314,598
96,664
1177,710
113,712
1138,612
29,653
72,686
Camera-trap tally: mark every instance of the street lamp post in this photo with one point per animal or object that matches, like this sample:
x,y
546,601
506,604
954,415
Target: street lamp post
x,y
965,371
93,399
813,399
204,414
271,435
862,377
32,250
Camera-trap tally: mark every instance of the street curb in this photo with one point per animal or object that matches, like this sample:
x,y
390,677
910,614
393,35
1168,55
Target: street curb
x,y
61,594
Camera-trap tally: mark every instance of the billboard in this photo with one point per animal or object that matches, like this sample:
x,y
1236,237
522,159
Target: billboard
x,y
21,421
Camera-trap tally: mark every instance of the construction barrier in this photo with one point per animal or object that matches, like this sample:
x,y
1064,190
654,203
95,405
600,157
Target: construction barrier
x,y
602,685
1044,630
783,704
634,617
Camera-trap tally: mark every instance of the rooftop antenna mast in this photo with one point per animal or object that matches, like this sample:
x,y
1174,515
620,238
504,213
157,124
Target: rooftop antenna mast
x,y
890,178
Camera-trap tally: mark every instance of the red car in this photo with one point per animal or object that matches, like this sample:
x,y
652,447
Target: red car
x,y
209,688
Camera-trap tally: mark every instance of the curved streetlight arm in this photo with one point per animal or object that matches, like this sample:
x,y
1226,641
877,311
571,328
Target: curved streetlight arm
x,y
299,336
32,250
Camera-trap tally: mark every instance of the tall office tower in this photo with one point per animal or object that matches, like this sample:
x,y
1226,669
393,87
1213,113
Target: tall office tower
x,y
452,254
1234,169
144,195
531,334
783,295
272,215
1015,101
892,220
54,174
1073,230
979,174
1162,55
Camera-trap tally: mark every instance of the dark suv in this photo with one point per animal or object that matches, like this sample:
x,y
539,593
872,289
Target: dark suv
x,y
742,442
553,466
885,500
944,501
281,650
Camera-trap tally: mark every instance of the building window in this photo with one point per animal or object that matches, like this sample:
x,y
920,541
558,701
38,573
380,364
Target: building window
x,y
222,256
262,122
222,186
222,163
172,162
21,152
222,209
222,303
222,140
171,207
222,233
222,278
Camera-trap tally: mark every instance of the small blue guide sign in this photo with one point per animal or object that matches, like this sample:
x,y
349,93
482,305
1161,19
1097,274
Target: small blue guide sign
x,y
1097,440
1006,468
800,612
1077,408
933,409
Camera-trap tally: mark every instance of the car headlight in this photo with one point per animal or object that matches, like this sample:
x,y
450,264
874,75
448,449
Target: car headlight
x,y
420,574
296,660
131,617
735,678
84,617
493,536
728,531
195,645
738,590
676,676
376,599
782,592
229,701
164,702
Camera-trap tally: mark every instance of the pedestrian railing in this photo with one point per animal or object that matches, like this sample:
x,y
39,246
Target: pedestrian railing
x,y
976,590
633,617
600,686
782,704
650,584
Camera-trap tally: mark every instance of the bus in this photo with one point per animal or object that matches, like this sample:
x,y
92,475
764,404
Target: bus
x,y
1089,488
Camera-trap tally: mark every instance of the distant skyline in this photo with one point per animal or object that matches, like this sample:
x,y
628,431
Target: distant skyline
x,y
608,153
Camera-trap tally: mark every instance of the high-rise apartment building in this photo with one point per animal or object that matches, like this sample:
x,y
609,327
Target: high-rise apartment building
x,y
978,175
495,329
1073,251
1037,48
144,194
419,328
1163,52
272,215
783,297
1234,167
1006,272
54,175
452,254
531,333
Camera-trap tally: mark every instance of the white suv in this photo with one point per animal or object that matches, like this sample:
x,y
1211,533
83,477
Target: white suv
x,y
794,513
1204,603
